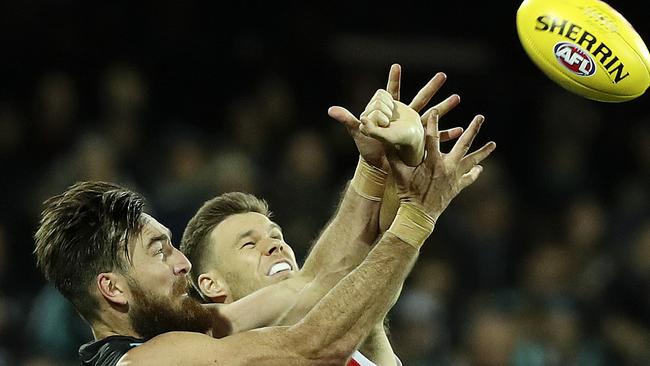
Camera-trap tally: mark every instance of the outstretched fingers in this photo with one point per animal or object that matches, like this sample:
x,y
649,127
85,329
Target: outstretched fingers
x,y
394,77
443,107
475,158
344,116
428,91
450,134
432,139
471,176
465,141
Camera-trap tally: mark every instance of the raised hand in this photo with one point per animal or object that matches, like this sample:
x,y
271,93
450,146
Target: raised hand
x,y
440,177
396,125
371,149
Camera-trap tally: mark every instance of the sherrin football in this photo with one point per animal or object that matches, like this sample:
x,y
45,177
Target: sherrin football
x,y
585,46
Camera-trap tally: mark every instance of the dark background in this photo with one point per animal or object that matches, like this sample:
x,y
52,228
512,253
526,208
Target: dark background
x,y
544,261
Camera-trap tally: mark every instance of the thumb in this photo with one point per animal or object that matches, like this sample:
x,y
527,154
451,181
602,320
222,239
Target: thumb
x,y
344,116
383,134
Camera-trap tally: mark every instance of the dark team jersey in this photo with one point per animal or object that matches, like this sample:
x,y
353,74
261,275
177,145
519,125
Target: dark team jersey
x,y
107,351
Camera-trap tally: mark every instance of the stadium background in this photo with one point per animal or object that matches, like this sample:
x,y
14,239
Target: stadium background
x,y
544,261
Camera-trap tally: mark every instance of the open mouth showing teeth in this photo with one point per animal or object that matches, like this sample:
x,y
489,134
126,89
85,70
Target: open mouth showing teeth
x,y
279,267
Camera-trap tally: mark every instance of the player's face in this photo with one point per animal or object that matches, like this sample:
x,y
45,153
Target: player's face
x,y
158,285
248,250
157,264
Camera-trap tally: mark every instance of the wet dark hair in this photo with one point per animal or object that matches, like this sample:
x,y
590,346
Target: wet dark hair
x,y
84,232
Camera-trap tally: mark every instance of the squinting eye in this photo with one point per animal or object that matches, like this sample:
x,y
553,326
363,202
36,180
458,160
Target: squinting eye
x,y
250,244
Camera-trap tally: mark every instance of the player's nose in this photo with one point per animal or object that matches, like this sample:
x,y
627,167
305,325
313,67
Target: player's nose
x,y
273,246
182,265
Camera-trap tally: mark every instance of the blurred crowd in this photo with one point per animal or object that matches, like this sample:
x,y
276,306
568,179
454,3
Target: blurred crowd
x,y
545,260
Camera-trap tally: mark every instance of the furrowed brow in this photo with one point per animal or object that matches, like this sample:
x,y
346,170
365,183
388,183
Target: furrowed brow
x,y
244,234
275,226
161,237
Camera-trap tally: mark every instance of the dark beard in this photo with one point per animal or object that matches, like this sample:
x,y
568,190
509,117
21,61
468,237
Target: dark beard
x,y
152,315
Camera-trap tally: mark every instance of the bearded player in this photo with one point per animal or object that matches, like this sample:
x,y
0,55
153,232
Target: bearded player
x,y
117,265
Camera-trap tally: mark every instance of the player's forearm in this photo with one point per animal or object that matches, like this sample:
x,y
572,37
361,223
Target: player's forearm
x,y
313,291
246,313
311,294
376,347
345,316
348,238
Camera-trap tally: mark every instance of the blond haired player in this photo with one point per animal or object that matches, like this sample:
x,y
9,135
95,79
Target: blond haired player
x,y
236,248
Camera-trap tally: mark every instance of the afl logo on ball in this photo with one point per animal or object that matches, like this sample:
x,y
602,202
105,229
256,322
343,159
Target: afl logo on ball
x,y
574,58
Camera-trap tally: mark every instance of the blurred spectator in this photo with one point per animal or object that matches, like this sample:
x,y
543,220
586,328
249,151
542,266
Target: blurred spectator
x,y
422,321
481,225
491,338
13,297
553,336
12,131
231,170
56,114
123,107
625,321
302,196
12,153
54,330
91,158
548,272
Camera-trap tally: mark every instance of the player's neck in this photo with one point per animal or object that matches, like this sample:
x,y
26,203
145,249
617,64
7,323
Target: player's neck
x,y
103,328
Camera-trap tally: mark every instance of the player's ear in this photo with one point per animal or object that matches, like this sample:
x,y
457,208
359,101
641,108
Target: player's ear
x,y
112,287
213,287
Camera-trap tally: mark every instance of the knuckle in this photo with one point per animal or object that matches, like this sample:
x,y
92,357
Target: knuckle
x,y
374,115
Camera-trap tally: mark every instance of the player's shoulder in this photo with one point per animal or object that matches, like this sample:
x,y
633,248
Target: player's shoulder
x,y
107,351
166,348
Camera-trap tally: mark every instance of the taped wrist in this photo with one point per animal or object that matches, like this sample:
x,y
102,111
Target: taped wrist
x,y
369,181
412,224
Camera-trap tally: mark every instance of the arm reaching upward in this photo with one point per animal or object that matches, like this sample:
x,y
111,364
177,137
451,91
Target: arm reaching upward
x,y
330,332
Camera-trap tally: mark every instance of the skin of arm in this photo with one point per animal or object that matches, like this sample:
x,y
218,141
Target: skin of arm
x,y
346,240
344,243
376,346
327,335
331,331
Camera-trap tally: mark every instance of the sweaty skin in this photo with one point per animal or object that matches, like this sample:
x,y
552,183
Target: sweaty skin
x,y
346,240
